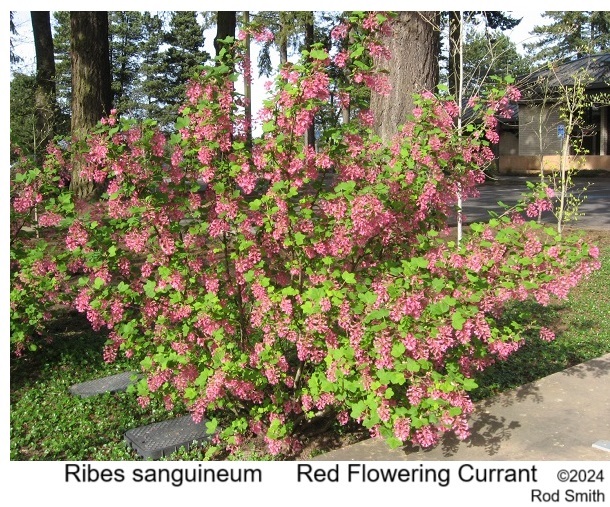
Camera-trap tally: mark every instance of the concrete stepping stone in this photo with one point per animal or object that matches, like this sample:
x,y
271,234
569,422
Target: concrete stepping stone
x,y
603,445
161,439
111,384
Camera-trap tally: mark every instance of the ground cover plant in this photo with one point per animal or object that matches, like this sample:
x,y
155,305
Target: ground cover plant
x,y
264,285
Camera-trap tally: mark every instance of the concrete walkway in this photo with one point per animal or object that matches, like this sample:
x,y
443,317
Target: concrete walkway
x,y
558,417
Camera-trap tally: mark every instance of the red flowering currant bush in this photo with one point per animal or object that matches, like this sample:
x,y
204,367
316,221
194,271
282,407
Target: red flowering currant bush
x,y
264,285
38,277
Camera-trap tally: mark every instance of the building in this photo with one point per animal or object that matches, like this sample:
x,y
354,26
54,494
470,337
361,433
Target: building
x,y
535,134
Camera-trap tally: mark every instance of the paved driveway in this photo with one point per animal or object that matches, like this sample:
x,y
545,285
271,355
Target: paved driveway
x,y
508,189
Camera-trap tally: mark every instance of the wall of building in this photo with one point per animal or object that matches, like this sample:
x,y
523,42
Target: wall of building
x,y
538,130
519,164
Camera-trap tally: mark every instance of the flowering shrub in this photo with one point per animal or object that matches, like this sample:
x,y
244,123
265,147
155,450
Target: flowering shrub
x,y
263,285
37,268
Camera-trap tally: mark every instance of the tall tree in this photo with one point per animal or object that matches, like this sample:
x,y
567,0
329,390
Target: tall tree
x,y
91,91
14,57
150,78
63,63
490,53
226,24
310,136
23,114
570,34
126,37
45,78
459,22
166,71
413,67
290,29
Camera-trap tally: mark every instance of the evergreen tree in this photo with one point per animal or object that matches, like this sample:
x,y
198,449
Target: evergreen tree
x,y
490,54
126,38
46,108
91,90
150,78
61,48
23,114
570,34
166,72
414,47
14,57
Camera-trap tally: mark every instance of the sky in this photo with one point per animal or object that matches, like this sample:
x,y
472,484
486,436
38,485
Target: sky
x,y
24,45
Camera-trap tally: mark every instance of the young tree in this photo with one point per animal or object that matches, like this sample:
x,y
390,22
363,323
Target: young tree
x,y
413,67
91,91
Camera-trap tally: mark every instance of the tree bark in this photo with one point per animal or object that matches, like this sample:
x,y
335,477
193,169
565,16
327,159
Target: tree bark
x,y
310,136
248,85
91,89
413,67
45,97
226,25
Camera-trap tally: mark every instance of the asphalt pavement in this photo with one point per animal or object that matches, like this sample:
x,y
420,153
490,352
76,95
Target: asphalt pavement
x,y
508,189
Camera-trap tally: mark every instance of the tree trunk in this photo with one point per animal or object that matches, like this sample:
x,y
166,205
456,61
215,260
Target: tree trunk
x,y
46,105
310,136
91,89
225,27
248,85
413,67
282,39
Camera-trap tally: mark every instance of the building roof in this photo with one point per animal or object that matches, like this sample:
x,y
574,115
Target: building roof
x,y
596,67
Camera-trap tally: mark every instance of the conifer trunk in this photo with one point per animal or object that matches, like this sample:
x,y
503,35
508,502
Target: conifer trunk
x,y
413,67
91,89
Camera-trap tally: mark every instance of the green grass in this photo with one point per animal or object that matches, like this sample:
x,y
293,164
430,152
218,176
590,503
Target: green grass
x,y
47,423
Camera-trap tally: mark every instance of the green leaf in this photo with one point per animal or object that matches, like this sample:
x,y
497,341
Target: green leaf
x,y
357,409
368,297
398,349
357,52
457,320
182,122
420,262
318,54
348,277
268,126
211,425
393,442
149,288
412,365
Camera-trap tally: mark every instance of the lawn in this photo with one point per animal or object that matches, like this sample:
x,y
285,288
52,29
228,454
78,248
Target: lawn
x,y
47,423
